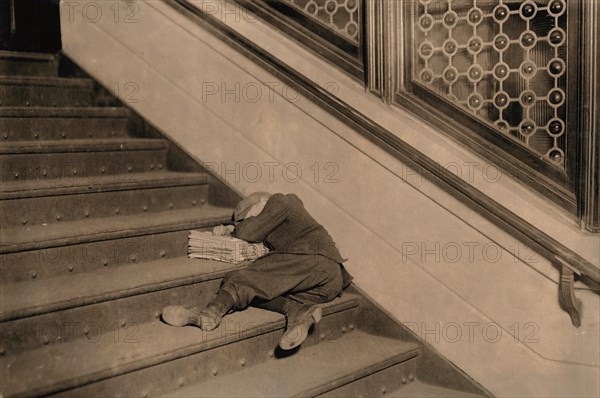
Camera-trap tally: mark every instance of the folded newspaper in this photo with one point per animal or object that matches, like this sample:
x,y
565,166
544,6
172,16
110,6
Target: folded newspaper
x,y
203,244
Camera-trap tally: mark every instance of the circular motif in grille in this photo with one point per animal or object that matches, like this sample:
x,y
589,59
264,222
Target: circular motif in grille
x,y
340,16
502,61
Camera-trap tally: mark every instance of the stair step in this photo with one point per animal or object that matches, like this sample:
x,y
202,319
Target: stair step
x,y
132,294
93,205
23,63
82,145
45,91
86,158
58,367
42,123
34,237
419,389
103,183
310,371
93,256
34,297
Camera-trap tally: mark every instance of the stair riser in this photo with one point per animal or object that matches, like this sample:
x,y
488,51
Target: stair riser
x,y
169,376
88,257
47,166
48,96
104,204
114,319
55,128
378,384
11,67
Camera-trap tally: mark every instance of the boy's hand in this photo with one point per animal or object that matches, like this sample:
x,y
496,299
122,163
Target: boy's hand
x,y
222,230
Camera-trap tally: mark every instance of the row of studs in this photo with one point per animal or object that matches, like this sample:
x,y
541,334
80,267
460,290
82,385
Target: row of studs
x,y
105,263
36,136
102,170
117,211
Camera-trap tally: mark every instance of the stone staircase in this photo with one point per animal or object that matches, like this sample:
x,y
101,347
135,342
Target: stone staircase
x,y
95,212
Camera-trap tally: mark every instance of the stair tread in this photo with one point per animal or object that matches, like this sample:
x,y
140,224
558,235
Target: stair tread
x,y
78,112
419,389
61,366
323,367
46,81
80,231
27,56
102,183
83,145
33,297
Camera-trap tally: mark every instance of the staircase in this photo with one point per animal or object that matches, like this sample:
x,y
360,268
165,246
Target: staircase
x,y
95,212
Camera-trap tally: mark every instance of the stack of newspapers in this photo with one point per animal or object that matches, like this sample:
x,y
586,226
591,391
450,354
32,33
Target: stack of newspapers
x,y
203,244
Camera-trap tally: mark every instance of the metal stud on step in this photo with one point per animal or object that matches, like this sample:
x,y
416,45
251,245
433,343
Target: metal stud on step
x,y
163,253
105,262
27,103
123,323
45,340
171,205
33,275
44,173
404,380
5,136
64,135
215,372
271,354
58,217
194,203
383,390
2,351
102,170
242,362
344,329
36,136
411,377
16,175
133,258
86,213
145,208
24,222
117,211
70,268
129,169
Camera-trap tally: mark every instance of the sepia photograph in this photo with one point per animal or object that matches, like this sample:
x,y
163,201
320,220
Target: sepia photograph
x,y
300,198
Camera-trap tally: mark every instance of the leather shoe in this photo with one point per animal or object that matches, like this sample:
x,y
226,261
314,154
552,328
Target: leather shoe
x,y
300,318
207,319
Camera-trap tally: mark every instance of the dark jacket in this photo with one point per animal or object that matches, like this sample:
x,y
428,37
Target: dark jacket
x,y
285,226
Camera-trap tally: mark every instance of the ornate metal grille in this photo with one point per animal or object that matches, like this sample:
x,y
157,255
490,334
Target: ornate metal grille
x,y
340,16
503,62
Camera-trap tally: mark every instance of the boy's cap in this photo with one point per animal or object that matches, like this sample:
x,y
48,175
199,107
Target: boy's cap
x,y
245,204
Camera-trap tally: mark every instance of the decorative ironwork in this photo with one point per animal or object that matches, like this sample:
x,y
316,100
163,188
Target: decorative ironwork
x,y
503,62
340,16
